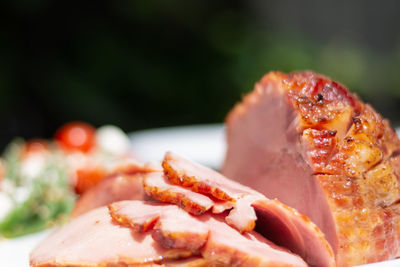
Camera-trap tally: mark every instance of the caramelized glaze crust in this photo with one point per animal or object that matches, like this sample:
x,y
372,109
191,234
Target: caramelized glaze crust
x,y
352,151
346,147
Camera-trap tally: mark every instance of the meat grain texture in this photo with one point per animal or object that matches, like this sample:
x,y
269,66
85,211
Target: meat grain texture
x,y
307,141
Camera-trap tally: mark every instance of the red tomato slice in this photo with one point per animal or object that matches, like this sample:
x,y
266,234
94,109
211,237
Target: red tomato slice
x,y
76,136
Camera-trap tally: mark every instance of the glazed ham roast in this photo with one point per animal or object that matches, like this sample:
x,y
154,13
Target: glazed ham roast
x,y
305,140
201,218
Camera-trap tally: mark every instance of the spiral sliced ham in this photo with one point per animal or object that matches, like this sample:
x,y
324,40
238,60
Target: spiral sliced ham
x,y
305,140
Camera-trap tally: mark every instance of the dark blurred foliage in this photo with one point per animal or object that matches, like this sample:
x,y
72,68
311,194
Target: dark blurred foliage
x,y
143,64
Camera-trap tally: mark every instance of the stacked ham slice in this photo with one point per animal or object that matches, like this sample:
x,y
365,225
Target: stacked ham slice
x,y
218,223
143,233
304,139
123,182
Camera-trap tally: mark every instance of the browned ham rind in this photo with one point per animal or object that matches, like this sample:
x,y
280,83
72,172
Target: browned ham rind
x,y
304,139
155,186
201,179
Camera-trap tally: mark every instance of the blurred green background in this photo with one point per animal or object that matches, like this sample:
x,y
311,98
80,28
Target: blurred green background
x,y
144,64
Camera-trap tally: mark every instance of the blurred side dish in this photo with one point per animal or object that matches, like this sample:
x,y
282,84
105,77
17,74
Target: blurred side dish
x,y
41,179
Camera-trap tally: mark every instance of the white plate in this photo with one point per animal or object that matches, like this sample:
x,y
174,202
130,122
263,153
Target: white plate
x,y
15,252
204,144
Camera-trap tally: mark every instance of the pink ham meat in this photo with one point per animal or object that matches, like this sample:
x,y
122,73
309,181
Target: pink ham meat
x,y
94,239
124,182
305,140
173,227
110,189
219,244
105,238
279,223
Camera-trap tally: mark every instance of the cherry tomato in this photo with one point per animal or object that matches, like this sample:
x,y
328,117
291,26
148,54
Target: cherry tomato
x,y
88,177
76,136
35,146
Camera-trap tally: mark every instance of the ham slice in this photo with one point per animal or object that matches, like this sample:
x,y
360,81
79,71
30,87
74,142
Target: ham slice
x,y
209,235
124,182
305,140
101,238
300,235
201,179
110,189
173,227
226,247
94,239
156,187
